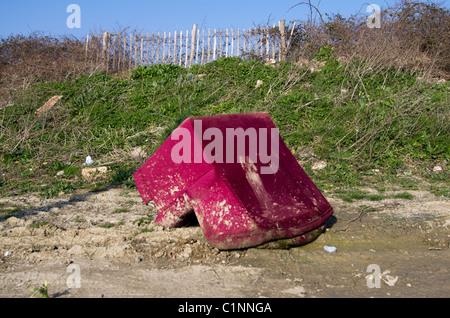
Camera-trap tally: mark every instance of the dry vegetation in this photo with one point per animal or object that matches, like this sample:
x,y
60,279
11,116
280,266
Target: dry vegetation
x,y
414,35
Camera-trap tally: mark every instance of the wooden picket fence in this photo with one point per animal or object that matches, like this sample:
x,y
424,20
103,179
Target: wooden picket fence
x,y
119,52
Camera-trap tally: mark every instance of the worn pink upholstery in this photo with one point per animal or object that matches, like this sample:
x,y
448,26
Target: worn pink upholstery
x,y
239,203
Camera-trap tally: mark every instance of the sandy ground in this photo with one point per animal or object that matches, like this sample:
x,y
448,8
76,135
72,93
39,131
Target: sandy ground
x,y
106,244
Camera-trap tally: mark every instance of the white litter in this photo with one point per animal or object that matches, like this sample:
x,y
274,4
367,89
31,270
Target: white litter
x,y
8,253
330,249
89,161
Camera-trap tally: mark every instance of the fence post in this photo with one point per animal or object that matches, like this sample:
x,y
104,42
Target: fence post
x,y
232,43
174,47
198,45
215,44
119,51
157,48
243,43
142,50
169,47
261,40
130,66
148,50
181,46
194,36
153,49
238,42
274,38
249,42
203,48
114,51
220,44
163,59
87,45
226,43
104,50
124,51
282,40
267,43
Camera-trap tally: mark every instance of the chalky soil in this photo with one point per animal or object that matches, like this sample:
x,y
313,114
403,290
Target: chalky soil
x,y
106,244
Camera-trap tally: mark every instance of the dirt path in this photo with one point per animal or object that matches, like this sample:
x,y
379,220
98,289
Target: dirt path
x,y
105,244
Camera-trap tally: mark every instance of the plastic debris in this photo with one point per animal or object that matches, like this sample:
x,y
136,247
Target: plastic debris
x,y
51,102
330,249
88,161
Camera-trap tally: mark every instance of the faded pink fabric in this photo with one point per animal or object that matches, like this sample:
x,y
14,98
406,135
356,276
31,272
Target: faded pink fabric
x,y
236,205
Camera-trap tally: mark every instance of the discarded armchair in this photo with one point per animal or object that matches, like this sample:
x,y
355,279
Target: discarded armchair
x,y
239,178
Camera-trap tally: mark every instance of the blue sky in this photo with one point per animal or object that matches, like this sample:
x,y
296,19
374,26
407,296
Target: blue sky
x,y
49,16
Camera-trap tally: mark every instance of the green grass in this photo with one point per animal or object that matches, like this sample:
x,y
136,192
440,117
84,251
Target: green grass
x,y
143,220
386,120
352,195
38,225
122,210
440,190
8,211
404,195
107,225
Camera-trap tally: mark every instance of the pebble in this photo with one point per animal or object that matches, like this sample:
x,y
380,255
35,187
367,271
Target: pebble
x,y
319,165
138,259
159,254
437,169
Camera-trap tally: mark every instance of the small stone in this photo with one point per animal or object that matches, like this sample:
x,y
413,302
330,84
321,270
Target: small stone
x,y
138,154
93,173
138,259
437,169
187,252
319,165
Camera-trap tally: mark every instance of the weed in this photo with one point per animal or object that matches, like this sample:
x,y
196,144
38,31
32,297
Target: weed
x,y
143,231
10,210
375,197
107,225
144,220
404,195
38,225
123,210
350,196
440,190
42,290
